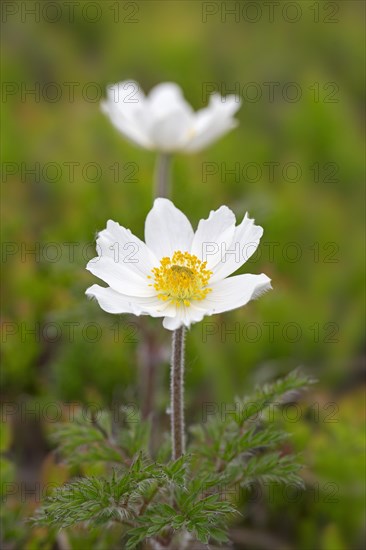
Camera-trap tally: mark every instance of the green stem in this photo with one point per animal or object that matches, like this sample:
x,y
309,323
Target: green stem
x,y
162,175
177,394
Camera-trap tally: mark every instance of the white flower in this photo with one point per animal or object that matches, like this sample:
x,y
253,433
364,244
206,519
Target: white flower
x,y
177,273
164,121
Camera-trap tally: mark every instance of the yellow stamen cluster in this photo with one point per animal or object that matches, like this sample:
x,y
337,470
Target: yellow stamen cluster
x,y
181,278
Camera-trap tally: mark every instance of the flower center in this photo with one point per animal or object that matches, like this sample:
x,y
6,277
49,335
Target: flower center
x,y
181,278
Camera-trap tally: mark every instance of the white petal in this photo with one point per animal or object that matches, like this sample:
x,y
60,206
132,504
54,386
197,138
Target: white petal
x,y
114,302
213,121
109,300
213,235
170,117
226,295
192,314
205,138
128,95
234,292
184,316
167,229
125,106
124,247
165,98
244,244
120,277
172,323
131,130
171,132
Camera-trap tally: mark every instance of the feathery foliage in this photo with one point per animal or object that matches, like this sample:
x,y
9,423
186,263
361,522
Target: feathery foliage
x,y
174,500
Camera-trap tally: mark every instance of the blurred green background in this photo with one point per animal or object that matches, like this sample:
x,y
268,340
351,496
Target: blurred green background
x,y
66,170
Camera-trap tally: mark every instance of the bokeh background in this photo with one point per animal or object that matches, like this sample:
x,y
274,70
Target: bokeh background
x,y
66,171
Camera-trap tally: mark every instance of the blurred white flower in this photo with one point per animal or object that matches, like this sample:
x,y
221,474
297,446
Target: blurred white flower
x,y
177,273
164,121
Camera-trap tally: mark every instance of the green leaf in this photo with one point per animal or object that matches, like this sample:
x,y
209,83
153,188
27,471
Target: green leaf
x,y
85,441
276,393
272,468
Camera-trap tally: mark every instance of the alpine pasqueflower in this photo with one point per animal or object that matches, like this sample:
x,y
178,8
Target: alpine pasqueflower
x,y
164,121
177,273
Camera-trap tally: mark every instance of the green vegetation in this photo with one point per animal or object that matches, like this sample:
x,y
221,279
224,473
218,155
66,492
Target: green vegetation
x,y
295,165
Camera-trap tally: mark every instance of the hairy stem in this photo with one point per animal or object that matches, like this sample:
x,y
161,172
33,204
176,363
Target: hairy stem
x,y
177,394
162,175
